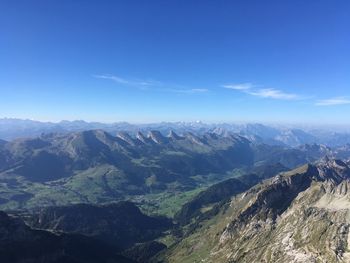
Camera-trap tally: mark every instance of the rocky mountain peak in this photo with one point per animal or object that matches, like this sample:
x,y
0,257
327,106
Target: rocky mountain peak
x,y
194,139
333,169
221,131
126,137
269,200
173,135
157,137
141,137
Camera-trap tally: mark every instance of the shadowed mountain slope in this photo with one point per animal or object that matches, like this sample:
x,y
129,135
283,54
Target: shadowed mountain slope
x,y
21,244
121,224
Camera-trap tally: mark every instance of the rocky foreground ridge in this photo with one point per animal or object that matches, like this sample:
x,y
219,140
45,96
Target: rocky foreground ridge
x,y
298,216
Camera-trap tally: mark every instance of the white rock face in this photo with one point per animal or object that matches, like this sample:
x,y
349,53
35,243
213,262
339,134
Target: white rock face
x,y
142,138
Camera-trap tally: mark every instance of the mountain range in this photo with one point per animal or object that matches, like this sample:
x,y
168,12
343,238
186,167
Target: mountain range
x,y
190,196
94,166
290,135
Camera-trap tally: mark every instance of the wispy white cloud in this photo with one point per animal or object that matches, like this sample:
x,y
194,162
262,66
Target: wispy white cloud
x,y
271,93
127,81
243,86
152,85
114,78
333,101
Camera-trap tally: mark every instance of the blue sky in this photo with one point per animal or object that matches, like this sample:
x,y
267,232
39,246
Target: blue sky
x,y
147,61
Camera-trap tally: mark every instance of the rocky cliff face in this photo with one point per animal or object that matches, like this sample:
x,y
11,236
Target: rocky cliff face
x,y
299,216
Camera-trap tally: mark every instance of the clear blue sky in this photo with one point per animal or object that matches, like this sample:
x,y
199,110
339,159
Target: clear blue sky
x,y
145,61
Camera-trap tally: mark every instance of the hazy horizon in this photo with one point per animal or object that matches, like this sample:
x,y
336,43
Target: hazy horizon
x,y
341,127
